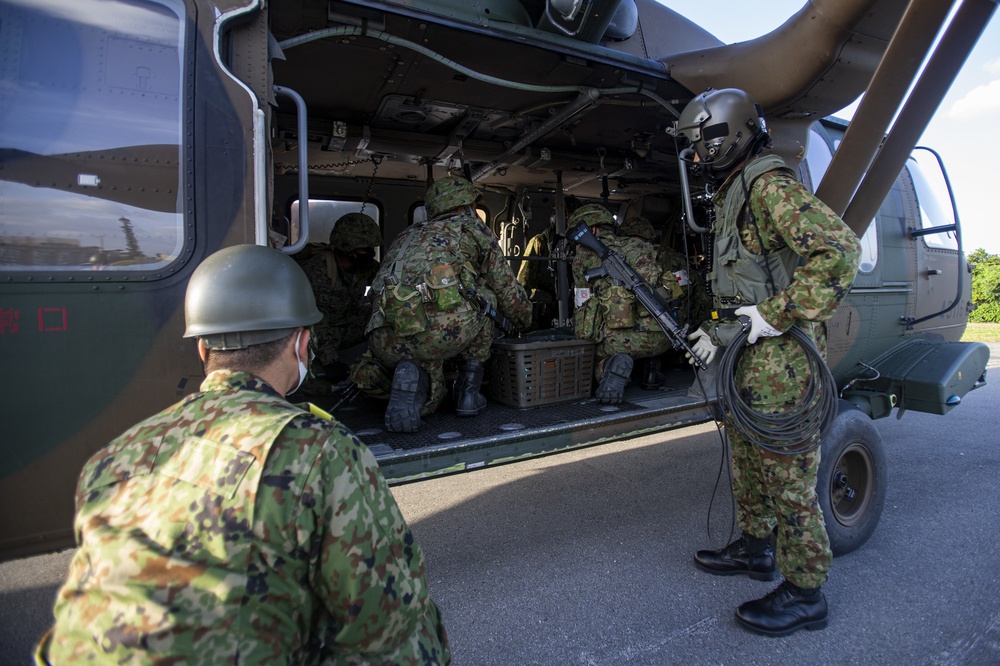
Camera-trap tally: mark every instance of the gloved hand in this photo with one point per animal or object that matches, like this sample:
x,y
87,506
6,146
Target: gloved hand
x,y
758,327
702,346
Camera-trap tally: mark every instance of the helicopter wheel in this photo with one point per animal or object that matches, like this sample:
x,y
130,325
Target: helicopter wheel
x,y
852,480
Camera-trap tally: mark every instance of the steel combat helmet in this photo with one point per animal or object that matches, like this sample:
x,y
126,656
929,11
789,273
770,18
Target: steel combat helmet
x,y
448,193
722,126
592,215
355,231
247,295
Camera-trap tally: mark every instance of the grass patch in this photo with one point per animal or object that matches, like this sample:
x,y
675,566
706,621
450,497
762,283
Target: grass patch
x,y
979,332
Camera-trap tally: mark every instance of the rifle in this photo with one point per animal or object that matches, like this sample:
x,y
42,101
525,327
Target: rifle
x,y
501,322
615,267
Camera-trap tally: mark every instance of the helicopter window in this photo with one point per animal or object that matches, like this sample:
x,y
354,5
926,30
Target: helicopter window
x,y
90,132
324,213
933,199
817,162
818,158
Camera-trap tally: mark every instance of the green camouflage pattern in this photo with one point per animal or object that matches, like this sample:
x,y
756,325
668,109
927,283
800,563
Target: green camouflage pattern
x,y
639,227
355,231
773,373
774,490
234,527
404,326
687,287
448,193
593,215
340,297
613,318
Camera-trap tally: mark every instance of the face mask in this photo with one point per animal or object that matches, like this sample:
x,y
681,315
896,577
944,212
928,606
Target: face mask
x,y
303,368
362,260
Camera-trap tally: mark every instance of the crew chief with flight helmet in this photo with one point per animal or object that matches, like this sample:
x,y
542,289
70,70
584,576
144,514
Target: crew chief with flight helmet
x,y
780,257
235,527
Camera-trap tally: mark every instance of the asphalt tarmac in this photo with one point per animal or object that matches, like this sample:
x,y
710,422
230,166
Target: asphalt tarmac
x,y
585,558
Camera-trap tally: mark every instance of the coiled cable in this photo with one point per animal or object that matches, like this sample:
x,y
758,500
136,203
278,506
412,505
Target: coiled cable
x,y
790,432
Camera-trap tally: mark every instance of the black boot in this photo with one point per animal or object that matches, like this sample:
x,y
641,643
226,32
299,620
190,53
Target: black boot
x,y
468,400
747,555
652,377
617,372
410,385
784,611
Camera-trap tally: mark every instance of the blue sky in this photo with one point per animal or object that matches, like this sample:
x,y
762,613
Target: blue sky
x,y
965,130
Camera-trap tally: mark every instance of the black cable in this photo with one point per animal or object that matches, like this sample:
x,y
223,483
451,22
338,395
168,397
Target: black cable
x,y
790,432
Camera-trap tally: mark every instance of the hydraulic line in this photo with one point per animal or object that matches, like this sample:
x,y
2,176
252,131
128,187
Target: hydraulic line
x,y
790,432
353,31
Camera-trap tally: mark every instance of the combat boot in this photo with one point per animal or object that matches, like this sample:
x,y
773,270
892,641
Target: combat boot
x,y
784,611
747,555
617,372
410,385
652,376
468,400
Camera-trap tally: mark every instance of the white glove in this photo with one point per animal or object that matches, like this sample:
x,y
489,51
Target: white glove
x,y
702,346
758,327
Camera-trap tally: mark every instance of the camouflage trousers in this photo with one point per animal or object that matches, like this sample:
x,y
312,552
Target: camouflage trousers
x,y
468,336
635,343
775,490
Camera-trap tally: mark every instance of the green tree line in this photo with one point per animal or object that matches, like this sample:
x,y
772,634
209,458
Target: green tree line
x,y
985,286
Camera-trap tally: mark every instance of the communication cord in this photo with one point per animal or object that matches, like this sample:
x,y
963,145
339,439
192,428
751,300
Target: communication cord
x,y
790,432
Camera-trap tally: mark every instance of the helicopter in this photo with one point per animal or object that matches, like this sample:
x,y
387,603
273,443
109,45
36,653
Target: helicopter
x,y
141,136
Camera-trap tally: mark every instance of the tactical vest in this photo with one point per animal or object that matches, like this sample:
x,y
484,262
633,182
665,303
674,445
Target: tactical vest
x,y
190,494
424,276
739,276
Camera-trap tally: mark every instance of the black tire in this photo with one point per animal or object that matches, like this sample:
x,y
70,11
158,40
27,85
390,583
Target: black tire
x,y
852,480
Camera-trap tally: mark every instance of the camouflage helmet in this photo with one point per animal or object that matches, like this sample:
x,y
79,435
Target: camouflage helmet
x,y
722,126
448,193
639,227
247,295
593,215
355,231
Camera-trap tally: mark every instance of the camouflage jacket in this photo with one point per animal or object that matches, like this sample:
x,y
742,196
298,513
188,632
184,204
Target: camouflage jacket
x,y
340,296
465,248
234,527
774,371
611,305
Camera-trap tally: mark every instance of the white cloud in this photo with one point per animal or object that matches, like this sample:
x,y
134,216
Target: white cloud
x,y
979,102
993,66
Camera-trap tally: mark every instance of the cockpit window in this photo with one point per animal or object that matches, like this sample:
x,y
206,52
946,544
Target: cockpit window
x,y
933,199
818,160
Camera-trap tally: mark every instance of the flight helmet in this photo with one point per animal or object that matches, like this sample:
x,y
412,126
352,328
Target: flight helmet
x,y
355,231
448,193
593,215
247,295
722,126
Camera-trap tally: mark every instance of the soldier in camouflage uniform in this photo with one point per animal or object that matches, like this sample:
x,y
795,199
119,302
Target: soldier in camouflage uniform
x,y
427,309
622,328
539,277
340,274
235,527
784,258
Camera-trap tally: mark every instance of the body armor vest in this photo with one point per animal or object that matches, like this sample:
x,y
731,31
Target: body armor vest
x,y
739,276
